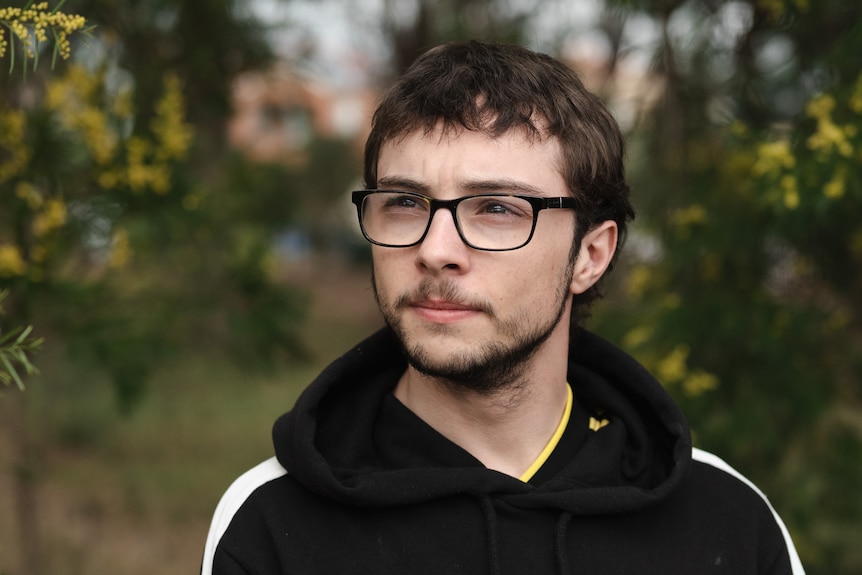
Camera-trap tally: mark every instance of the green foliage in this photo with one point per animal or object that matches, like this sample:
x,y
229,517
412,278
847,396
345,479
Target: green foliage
x,y
128,231
15,344
744,268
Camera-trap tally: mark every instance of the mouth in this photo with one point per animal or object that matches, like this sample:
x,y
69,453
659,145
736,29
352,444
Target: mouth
x,y
440,304
443,311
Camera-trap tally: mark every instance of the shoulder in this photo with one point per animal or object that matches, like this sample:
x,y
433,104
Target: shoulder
x,y
713,473
237,494
730,484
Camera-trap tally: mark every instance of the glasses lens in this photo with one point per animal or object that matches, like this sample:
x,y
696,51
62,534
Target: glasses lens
x,y
395,218
496,222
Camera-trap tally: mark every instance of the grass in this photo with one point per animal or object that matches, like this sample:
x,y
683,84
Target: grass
x,y
134,495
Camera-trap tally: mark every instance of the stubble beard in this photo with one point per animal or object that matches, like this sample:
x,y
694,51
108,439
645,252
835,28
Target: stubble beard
x,y
490,367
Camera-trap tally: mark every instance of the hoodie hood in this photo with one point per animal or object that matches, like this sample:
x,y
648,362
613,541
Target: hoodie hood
x,y
343,440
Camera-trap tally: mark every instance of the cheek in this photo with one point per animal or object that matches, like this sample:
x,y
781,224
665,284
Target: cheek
x,y
388,269
546,278
545,262
523,282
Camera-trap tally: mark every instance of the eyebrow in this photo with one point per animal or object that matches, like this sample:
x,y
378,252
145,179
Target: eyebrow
x,y
502,185
399,183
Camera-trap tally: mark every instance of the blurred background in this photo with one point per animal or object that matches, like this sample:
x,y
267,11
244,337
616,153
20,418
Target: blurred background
x,y
175,225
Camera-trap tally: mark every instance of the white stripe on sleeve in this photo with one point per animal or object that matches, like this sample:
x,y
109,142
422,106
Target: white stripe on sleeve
x,y
231,501
710,459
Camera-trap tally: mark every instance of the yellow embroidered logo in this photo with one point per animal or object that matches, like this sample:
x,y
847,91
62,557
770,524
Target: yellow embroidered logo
x,y
596,424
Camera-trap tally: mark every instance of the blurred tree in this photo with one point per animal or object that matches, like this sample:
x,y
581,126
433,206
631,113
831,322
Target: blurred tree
x,y
744,276
111,178
30,29
415,28
129,231
206,43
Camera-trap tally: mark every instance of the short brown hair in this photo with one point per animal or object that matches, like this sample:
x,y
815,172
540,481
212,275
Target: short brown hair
x,y
494,88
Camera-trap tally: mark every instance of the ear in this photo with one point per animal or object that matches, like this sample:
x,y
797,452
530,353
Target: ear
x,y
594,257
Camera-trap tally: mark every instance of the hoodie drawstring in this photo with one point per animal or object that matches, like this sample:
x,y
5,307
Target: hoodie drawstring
x,y
562,555
490,514
491,533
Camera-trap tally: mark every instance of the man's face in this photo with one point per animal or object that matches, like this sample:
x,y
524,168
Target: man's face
x,y
475,317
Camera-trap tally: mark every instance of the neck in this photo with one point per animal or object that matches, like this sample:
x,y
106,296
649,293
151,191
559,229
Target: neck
x,y
507,429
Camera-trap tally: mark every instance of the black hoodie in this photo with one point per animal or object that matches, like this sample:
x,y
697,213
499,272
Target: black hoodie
x,y
361,485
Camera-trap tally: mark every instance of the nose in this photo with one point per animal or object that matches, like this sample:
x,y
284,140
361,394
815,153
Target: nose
x,y
442,248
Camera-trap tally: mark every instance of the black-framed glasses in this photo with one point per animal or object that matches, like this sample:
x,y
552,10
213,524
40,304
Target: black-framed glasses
x,y
490,222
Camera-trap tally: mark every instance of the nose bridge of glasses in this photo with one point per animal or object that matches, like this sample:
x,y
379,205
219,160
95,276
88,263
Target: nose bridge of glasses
x,y
450,206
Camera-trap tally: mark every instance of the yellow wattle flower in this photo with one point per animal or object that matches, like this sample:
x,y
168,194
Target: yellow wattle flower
x,y
11,262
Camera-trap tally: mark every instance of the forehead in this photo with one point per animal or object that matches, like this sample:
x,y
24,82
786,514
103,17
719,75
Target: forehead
x,y
443,159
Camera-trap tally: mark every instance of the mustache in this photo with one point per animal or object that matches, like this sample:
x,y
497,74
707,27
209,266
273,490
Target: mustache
x,y
443,290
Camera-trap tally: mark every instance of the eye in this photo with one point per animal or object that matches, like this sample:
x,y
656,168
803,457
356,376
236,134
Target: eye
x,y
501,206
495,208
404,202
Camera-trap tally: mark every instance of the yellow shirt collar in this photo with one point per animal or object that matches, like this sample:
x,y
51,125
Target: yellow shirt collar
x,y
555,439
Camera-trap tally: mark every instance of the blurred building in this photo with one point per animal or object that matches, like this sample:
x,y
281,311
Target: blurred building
x,y
277,113
628,85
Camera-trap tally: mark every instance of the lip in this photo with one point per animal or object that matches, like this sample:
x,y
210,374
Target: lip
x,y
441,311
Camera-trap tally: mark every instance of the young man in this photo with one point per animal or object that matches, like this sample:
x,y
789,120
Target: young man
x,y
477,432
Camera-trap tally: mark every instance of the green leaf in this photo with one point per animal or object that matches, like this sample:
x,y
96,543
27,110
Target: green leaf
x,y
56,49
11,49
9,335
10,369
24,334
